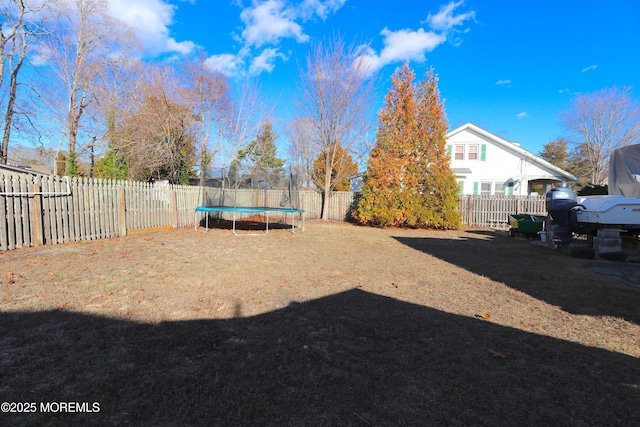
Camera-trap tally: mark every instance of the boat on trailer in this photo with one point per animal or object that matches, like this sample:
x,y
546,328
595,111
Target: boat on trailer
x,y
609,211
620,209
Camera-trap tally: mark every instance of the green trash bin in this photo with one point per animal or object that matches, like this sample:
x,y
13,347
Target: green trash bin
x,y
525,223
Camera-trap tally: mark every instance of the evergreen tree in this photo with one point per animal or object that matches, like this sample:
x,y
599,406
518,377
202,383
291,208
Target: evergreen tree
x,y
111,166
409,182
258,160
575,161
264,162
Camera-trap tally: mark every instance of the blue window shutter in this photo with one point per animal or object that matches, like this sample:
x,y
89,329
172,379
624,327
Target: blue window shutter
x,y
483,152
510,190
449,151
461,185
475,188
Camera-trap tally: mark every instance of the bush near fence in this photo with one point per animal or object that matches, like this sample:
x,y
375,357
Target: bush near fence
x,y
38,210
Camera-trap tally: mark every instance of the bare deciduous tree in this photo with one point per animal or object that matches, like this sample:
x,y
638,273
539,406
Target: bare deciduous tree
x,y
21,24
84,40
157,139
301,149
600,122
335,97
244,121
207,94
117,98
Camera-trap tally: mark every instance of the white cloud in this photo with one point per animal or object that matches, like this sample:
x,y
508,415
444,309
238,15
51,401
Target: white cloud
x,y
412,45
408,44
564,91
270,21
503,82
589,68
150,19
445,20
322,9
402,45
265,61
522,115
226,63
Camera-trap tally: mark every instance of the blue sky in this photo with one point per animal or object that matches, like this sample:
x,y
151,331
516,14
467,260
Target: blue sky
x,y
510,67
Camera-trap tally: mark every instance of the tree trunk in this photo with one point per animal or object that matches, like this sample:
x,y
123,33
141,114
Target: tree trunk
x,y
326,191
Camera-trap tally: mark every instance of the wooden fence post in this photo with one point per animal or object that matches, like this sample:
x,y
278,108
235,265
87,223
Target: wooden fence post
x,y
174,208
38,238
122,217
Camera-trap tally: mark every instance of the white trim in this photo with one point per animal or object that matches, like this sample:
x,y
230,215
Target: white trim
x,y
512,147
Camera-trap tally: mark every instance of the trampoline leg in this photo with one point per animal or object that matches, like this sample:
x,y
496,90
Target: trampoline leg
x,y
266,215
195,222
250,234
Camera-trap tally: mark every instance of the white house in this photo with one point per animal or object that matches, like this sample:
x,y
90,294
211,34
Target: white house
x,y
484,163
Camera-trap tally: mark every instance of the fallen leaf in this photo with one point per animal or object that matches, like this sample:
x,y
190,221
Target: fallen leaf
x,y
497,354
482,316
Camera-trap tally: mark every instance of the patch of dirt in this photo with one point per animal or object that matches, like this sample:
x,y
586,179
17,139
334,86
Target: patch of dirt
x,y
339,325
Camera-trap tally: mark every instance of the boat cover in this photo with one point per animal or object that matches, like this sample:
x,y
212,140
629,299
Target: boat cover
x,y
624,171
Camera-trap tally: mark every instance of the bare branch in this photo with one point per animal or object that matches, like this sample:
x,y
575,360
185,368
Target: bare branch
x,y
335,98
600,122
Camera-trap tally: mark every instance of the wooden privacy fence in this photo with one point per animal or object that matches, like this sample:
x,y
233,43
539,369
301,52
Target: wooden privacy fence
x,y
50,210
475,210
492,211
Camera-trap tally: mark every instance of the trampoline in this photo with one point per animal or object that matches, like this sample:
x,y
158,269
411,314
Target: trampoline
x,y
249,187
249,210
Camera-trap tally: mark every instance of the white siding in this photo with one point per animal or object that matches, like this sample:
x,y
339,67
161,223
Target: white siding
x,y
500,166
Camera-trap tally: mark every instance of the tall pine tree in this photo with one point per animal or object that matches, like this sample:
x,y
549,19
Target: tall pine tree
x,y
409,182
258,160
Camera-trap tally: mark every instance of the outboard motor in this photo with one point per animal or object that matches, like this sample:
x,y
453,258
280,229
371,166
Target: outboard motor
x,y
559,202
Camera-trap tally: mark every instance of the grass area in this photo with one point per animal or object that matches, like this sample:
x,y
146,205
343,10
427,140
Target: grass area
x,y
339,325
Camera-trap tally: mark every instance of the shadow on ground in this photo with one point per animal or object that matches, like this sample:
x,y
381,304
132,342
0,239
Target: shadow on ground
x,y
561,280
354,358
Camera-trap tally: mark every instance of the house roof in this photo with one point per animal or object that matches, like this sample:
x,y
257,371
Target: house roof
x,y
511,146
22,170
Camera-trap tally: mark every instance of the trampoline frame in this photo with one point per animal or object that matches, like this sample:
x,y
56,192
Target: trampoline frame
x,y
239,210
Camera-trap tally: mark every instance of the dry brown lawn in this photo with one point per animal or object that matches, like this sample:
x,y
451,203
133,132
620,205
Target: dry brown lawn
x,y
339,325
